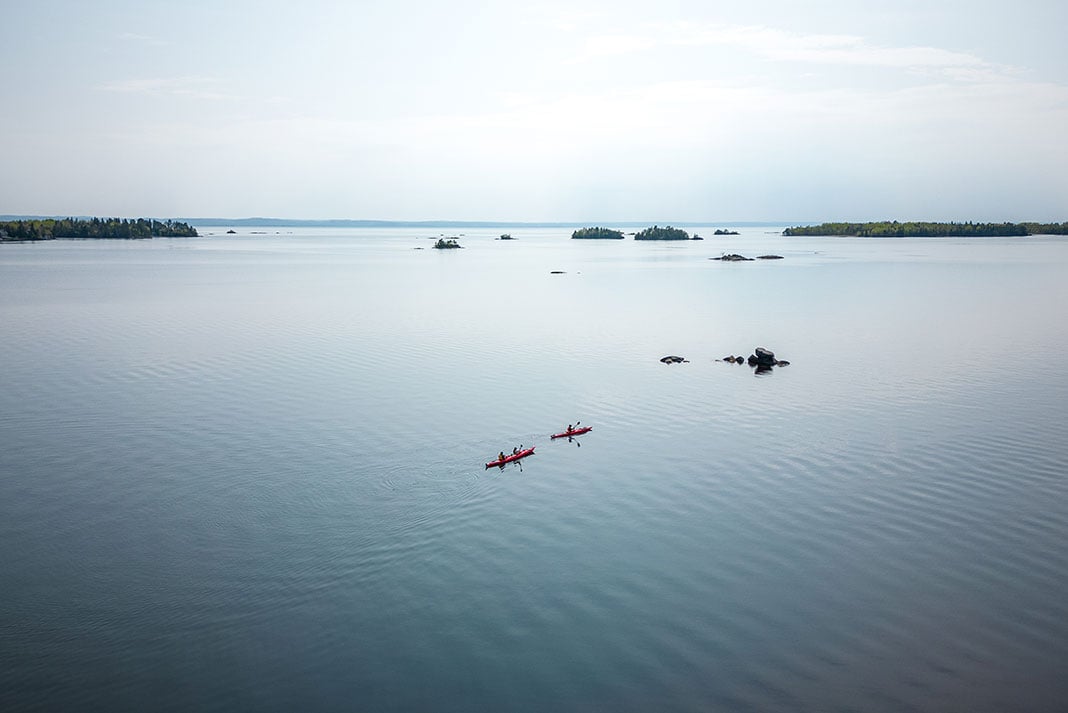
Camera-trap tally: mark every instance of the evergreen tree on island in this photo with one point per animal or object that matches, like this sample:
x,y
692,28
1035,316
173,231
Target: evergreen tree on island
x,y
917,229
596,234
666,233
94,228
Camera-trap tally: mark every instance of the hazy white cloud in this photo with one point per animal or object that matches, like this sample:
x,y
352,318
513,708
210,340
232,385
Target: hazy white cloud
x,y
608,45
144,39
780,45
197,87
529,112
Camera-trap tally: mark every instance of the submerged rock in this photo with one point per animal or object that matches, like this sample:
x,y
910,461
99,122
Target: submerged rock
x,y
671,359
769,257
732,257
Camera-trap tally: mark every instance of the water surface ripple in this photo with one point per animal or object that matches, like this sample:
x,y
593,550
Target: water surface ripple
x,y
246,472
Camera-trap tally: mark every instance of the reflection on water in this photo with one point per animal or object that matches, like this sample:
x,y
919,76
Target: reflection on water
x,y
248,473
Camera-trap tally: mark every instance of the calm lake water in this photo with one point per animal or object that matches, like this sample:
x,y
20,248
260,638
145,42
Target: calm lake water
x,y
246,473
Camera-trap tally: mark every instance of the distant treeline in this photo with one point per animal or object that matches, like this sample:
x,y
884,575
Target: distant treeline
x,y
92,228
911,229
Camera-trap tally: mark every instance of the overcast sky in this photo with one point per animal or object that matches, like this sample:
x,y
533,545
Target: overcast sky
x,y
409,109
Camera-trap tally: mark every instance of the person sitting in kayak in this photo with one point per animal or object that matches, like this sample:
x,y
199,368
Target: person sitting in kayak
x,y
501,456
569,428
514,451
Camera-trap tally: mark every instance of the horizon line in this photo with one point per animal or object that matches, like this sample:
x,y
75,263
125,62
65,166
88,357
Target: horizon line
x,y
363,222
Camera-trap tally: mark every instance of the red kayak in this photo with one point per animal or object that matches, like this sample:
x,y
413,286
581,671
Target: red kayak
x,y
514,456
573,432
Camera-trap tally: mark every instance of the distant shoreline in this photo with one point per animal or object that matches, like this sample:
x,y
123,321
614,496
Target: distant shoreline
x,y
918,229
346,223
789,228
35,230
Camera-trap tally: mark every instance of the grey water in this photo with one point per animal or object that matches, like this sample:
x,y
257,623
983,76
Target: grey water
x,y
246,472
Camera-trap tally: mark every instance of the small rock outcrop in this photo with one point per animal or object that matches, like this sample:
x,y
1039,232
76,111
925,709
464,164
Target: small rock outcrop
x,y
762,357
443,244
732,257
769,257
671,359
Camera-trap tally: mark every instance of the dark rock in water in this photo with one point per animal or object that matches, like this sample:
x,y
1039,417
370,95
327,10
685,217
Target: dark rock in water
x,y
673,360
769,257
732,257
231,232
764,357
696,237
556,272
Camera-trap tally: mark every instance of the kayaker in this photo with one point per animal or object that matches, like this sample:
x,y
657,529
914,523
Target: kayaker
x,y
514,451
569,428
500,456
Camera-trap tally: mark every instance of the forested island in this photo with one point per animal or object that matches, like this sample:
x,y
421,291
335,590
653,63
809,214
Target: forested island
x,y
93,228
596,234
658,233
913,229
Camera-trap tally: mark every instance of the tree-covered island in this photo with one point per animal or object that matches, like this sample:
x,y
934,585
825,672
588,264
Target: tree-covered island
x,y
596,233
93,228
658,233
915,229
